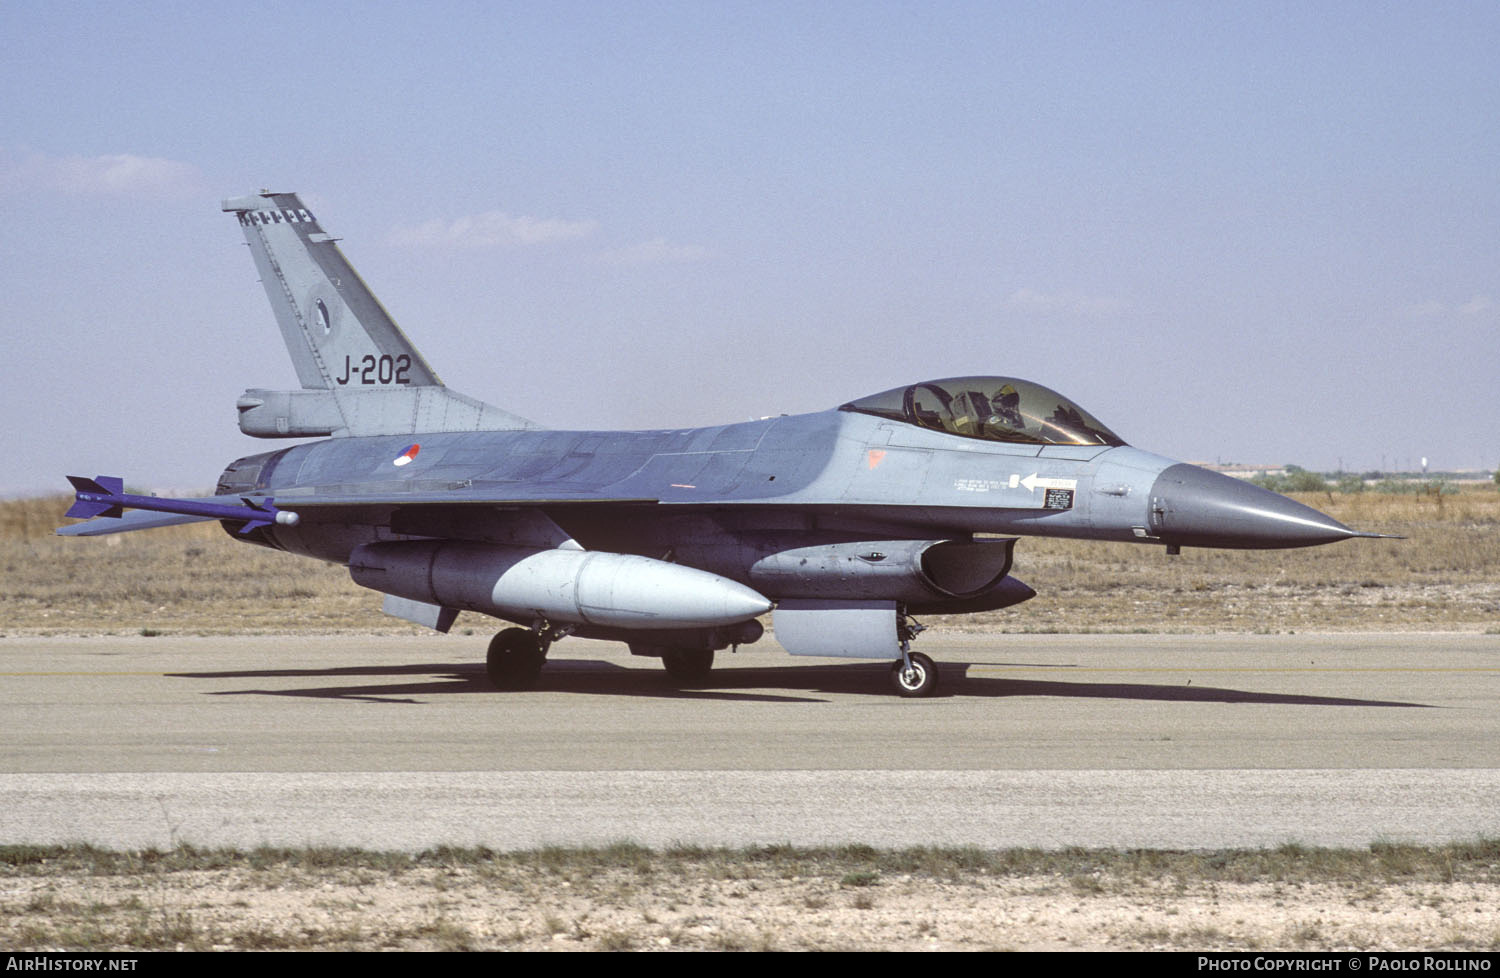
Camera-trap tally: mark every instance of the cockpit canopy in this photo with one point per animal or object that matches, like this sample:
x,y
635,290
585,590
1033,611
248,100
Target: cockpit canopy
x,y
991,408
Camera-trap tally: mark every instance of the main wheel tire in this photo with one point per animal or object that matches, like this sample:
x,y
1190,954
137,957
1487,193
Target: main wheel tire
x,y
688,665
920,680
515,659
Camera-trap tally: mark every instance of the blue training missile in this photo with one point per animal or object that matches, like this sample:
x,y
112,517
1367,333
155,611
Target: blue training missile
x,y
106,496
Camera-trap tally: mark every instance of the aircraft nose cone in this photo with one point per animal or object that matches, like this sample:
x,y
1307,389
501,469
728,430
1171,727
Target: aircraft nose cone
x,y
1194,507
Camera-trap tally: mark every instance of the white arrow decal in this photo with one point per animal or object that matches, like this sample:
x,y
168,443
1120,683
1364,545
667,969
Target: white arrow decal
x,y
1031,482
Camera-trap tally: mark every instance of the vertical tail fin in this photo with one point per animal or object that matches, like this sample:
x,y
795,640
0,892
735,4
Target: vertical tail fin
x,y
341,340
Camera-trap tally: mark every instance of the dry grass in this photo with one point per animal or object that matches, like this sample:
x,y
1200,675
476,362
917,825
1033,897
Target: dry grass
x,y
196,580
1444,576
191,579
626,897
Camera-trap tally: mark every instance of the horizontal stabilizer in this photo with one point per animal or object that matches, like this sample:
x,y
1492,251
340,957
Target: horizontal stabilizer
x,y
135,519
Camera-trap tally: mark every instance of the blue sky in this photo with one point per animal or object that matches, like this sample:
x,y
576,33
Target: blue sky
x,y
1264,232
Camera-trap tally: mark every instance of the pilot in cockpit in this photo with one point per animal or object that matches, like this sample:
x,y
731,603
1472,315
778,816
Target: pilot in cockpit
x,y
1006,406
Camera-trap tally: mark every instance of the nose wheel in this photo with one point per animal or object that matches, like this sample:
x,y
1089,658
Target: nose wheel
x,y
914,674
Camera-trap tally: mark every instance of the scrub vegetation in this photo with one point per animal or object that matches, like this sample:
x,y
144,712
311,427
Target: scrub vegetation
x,y
1444,576
626,897
191,580
180,580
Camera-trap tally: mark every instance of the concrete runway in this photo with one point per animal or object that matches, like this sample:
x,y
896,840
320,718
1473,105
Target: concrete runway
x,y
1098,740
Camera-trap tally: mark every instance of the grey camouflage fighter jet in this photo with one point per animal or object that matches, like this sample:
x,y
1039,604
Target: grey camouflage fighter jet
x,y
848,522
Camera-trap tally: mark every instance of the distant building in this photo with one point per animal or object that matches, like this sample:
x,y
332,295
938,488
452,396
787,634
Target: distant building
x,y
1245,471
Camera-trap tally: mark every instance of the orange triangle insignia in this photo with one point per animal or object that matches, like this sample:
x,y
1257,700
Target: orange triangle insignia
x,y
874,456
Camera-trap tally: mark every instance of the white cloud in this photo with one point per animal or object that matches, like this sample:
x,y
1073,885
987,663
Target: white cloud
x,y
1479,307
657,251
115,174
1062,303
491,229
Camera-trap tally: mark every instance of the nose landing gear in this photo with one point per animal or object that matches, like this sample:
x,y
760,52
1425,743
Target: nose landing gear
x,y
914,674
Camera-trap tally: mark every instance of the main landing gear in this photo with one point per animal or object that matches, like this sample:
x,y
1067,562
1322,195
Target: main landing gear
x,y
688,665
517,655
684,666
515,659
914,674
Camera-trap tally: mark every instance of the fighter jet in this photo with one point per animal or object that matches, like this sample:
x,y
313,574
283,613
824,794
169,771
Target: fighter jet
x,y
848,522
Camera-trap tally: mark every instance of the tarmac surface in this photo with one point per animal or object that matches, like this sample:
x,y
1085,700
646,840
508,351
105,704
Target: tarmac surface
x,y
1034,740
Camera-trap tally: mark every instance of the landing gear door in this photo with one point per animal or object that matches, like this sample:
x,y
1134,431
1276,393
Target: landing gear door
x,y
844,629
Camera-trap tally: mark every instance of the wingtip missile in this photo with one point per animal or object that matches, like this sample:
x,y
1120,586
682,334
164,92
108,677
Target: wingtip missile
x,y
105,496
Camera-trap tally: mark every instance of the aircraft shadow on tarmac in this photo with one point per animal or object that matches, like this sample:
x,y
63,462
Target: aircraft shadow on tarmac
x,y
803,684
